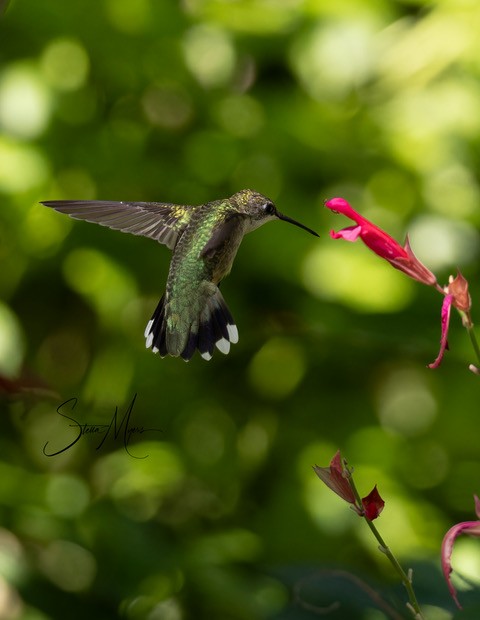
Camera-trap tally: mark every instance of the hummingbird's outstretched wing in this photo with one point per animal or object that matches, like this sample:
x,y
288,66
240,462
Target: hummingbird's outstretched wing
x,y
214,327
161,221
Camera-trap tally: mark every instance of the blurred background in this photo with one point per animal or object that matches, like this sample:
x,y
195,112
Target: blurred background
x,y
218,514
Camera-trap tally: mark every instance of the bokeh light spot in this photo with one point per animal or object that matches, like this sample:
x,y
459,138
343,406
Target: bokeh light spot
x,y
206,434
110,376
167,107
106,284
11,342
128,17
222,547
65,64
260,17
11,605
42,231
166,610
425,465
67,495
69,566
420,124
25,103
452,191
240,115
148,607
334,58
406,404
11,557
22,167
75,182
256,437
209,55
440,242
277,369
466,562
355,277
139,490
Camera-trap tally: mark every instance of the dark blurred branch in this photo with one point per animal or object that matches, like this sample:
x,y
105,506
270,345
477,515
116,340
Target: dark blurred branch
x,y
342,574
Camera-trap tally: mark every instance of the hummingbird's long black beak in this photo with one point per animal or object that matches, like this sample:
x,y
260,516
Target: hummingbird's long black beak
x,y
285,218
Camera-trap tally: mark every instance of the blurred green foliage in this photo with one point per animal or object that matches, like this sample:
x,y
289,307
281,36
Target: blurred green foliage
x,y
190,101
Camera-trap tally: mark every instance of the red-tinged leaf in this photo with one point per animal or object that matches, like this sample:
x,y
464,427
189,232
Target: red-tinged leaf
x,y
336,478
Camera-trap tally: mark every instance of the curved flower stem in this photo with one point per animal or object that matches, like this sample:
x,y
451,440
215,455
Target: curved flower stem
x,y
468,324
473,340
406,579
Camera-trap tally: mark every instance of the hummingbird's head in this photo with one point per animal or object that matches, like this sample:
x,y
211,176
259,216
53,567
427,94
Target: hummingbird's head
x,y
259,209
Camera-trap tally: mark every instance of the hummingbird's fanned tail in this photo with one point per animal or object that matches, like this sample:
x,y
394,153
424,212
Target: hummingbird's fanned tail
x,y
212,327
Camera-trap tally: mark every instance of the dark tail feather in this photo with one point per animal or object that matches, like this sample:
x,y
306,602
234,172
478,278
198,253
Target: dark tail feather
x,y
215,327
155,333
191,346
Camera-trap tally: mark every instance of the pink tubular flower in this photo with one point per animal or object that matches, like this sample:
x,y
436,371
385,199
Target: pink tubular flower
x,y
403,258
472,528
380,242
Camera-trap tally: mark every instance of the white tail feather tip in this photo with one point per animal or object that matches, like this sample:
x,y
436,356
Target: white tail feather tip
x,y
223,345
148,328
232,333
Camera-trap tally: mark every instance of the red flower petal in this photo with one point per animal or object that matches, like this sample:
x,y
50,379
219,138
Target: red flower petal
x,y
351,233
472,528
446,308
373,504
468,527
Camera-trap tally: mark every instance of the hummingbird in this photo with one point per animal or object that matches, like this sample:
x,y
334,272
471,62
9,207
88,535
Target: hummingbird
x,y
204,239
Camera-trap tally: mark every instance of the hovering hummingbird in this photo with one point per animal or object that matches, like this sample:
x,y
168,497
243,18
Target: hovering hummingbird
x,y
192,313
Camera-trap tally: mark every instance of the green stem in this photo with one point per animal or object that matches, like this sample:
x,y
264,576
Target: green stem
x,y
406,580
473,340
468,324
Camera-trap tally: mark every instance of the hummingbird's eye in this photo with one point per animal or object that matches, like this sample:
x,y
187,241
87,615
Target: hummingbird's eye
x,y
269,208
